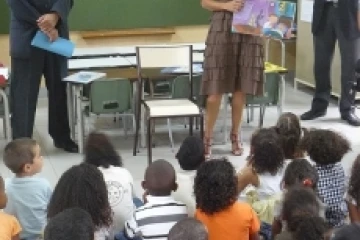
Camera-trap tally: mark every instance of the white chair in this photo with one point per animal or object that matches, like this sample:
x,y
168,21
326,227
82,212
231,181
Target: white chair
x,y
157,58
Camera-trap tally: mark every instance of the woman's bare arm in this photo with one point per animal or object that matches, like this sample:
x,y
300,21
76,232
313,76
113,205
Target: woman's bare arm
x,y
213,5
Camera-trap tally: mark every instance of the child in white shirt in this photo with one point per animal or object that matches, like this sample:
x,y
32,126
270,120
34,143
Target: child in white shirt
x,y
100,152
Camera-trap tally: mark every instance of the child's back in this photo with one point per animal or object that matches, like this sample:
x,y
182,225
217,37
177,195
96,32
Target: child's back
x,y
100,152
215,190
238,221
160,211
190,156
327,148
28,196
9,225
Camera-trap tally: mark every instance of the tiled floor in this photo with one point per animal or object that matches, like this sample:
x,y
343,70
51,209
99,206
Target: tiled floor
x,y
57,161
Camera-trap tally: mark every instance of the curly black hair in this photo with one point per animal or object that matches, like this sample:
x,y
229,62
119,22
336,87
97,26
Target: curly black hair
x,y
215,186
325,146
290,131
72,223
82,186
99,151
191,153
267,153
298,171
354,182
301,212
188,229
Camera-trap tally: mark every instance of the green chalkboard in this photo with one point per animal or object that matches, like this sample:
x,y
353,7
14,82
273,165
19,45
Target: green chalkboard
x,y
126,14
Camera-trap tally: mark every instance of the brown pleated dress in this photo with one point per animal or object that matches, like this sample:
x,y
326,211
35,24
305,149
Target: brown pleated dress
x,y
232,61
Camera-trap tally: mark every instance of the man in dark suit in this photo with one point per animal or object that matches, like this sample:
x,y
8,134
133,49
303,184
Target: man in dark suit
x,y
335,20
29,64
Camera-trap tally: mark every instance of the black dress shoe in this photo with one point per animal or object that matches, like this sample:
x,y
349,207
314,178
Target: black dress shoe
x,y
351,118
312,114
69,146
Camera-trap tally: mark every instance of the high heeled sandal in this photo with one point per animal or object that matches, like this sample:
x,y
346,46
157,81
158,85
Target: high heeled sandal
x,y
207,148
236,146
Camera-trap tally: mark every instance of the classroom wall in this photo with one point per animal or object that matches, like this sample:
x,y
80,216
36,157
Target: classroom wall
x,y
182,34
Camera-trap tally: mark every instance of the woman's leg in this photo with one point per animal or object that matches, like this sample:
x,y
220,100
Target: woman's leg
x,y
238,103
212,110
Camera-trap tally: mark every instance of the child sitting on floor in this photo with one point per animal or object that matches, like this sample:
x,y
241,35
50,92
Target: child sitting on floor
x,y
353,195
190,156
70,224
28,195
327,148
301,213
289,129
188,229
160,211
216,193
83,186
298,173
120,184
264,171
350,232
9,226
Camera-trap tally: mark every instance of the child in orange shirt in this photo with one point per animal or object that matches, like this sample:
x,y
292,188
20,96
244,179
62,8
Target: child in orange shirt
x,y
9,225
216,195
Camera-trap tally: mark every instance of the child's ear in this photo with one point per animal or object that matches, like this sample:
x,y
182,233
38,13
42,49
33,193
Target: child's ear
x,y
143,185
26,168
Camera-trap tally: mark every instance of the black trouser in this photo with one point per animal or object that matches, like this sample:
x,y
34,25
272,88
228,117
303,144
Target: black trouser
x,y
324,46
24,89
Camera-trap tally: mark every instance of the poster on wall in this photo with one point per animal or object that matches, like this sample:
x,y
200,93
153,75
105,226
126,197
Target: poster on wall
x,y
270,18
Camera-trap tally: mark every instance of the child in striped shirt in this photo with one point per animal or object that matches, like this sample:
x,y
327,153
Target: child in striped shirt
x,y
160,211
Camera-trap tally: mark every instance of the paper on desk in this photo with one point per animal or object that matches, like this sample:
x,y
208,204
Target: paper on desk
x,y
84,77
196,69
4,72
60,46
306,13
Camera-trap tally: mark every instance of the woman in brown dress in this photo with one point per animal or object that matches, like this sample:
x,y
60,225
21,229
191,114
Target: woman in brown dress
x,y
233,63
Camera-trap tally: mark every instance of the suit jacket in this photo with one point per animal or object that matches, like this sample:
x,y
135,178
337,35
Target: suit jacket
x,y
347,14
23,26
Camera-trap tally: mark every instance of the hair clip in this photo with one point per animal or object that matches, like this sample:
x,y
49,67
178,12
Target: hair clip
x,y
307,182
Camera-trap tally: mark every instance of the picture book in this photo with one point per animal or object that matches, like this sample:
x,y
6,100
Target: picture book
x,y
266,17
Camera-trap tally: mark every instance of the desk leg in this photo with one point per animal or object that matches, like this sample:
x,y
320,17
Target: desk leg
x,y
281,94
80,118
70,104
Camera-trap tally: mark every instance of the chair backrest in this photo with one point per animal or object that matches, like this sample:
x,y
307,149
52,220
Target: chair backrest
x,y
271,91
165,56
110,96
180,87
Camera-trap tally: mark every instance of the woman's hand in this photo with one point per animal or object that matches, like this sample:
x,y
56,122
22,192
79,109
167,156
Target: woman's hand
x,y
234,5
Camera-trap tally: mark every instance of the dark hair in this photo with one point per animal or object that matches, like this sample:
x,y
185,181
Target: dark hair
x,y
188,229
267,153
325,146
298,171
160,178
99,151
301,212
350,232
290,131
72,223
82,186
354,182
191,153
18,153
215,186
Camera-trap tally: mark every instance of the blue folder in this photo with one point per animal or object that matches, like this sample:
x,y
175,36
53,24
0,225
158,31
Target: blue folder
x,y
61,46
